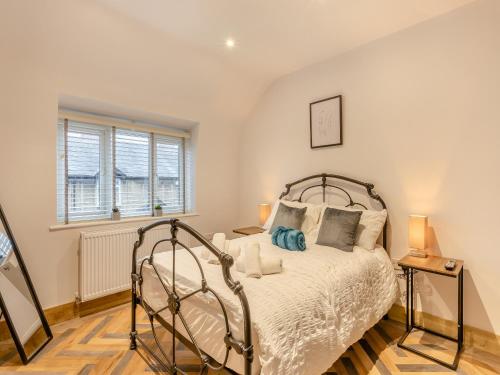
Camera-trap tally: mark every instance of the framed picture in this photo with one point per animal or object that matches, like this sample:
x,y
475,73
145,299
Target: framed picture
x,y
325,118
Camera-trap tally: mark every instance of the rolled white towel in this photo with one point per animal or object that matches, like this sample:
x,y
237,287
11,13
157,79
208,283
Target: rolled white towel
x,y
205,253
233,249
240,256
268,264
252,260
219,241
212,259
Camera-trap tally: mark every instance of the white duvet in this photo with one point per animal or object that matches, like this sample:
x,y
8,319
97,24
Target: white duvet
x,y
308,315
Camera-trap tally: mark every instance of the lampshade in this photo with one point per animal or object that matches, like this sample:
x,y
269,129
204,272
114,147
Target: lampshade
x,y
264,211
417,232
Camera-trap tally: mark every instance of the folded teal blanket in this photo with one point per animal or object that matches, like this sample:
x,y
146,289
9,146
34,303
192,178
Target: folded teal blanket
x,y
289,239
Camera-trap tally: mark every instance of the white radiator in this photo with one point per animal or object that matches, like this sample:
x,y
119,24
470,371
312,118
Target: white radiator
x,y
105,259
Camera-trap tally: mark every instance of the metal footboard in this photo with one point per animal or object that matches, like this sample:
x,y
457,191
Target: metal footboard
x,y
174,301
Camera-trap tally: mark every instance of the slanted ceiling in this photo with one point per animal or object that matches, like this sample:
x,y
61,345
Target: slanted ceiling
x,y
276,37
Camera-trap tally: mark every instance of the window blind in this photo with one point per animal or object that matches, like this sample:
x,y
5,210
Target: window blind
x,y
101,167
169,173
132,173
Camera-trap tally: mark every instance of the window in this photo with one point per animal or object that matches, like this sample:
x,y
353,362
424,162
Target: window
x,y
133,160
103,166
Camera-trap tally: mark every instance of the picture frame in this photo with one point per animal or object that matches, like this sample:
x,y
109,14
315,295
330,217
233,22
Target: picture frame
x,y
325,121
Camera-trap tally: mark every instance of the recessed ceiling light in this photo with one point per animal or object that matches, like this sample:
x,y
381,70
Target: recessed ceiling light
x,y
230,43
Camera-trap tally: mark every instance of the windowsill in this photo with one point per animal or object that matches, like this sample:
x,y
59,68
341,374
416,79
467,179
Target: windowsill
x,y
86,224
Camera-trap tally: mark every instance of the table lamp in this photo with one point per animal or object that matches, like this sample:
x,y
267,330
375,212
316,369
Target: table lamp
x,y
417,228
264,212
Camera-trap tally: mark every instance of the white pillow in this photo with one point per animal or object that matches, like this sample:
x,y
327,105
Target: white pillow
x,y
370,226
312,214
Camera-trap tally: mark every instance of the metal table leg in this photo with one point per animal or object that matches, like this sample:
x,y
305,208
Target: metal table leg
x,y
410,322
407,274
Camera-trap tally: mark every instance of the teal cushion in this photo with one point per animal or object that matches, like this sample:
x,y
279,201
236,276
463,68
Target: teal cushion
x,y
289,239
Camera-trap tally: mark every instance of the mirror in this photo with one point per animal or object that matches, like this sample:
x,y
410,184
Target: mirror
x,y
20,309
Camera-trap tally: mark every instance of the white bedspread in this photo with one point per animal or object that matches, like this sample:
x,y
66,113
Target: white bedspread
x,y
308,315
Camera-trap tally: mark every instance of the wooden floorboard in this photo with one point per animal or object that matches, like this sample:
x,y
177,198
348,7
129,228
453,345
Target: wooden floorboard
x,y
98,344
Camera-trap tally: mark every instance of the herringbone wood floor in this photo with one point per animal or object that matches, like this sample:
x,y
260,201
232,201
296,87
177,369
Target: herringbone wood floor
x,y
98,344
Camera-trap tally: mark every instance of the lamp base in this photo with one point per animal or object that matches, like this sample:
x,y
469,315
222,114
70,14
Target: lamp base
x,y
418,253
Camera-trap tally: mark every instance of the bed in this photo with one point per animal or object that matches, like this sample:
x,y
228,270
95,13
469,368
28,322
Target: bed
x,y
298,321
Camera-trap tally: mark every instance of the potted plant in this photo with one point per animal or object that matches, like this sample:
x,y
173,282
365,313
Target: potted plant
x,y
158,210
115,214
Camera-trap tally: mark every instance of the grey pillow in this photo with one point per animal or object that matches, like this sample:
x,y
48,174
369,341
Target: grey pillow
x,y
290,217
338,228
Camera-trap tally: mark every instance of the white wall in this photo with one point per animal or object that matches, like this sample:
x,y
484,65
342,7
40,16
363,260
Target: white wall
x,y
78,48
421,122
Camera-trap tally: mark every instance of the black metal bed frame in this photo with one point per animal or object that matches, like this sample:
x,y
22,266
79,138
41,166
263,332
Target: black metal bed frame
x,y
174,300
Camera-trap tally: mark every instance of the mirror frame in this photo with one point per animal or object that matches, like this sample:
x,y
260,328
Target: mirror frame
x,y
19,346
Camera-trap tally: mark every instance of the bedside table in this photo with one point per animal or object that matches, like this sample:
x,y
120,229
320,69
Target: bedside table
x,y
247,231
432,264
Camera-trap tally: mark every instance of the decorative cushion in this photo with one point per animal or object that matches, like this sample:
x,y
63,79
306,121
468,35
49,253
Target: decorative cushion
x,y
338,228
369,228
286,216
311,219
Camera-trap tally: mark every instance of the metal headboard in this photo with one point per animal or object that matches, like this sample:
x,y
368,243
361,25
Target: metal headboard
x,y
326,181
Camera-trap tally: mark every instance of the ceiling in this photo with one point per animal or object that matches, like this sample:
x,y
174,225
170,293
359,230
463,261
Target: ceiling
x,y
276,37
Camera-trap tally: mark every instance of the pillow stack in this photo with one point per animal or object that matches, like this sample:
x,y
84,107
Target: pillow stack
x,y
329,225
295,215
346,227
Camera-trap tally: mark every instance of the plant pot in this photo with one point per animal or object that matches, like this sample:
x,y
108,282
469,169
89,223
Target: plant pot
x,y
115,215
158,212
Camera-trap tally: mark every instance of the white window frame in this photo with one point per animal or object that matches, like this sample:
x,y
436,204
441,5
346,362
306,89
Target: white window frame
x,y
109,187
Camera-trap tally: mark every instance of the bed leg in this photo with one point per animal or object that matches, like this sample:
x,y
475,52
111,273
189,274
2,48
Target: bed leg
x,y
133,342
204,370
